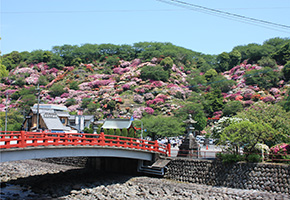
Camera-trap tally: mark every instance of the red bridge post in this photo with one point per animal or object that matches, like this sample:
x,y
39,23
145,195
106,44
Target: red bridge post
x,y
102,139
22,139
168,148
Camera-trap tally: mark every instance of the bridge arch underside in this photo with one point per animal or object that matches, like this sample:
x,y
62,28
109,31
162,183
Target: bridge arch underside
x,y
72,151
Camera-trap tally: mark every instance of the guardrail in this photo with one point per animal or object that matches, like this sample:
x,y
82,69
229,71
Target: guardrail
x,y
22,139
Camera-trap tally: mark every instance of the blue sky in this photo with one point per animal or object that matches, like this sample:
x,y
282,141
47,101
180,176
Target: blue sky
x,y
41,24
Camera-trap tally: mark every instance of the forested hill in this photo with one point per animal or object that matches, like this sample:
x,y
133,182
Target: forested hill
x,y
147,80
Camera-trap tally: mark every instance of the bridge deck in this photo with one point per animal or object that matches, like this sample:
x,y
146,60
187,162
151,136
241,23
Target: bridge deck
x,y
29,145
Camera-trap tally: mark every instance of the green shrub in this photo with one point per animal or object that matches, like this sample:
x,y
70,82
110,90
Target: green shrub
x,y
230,158
254,158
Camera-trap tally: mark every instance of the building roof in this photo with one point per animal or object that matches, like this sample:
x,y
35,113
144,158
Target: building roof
x,y
52,121
86,117
51,106
117,123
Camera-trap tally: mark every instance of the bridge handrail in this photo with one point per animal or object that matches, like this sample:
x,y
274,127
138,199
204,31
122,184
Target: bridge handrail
x,y
22,139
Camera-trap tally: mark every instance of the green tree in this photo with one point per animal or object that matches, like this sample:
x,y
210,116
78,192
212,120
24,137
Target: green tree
x,y
74,85
245,134
85,102
14,120
282,56
92,107
188,108
201,121
232,107
223,60
111,132
57,90
267,62
167,64
124,132
274,116
131,133
3,71
42,80
222,83
70,102
210,74
235,58
213,102
286,71
159,126
156,73
264,78
118,132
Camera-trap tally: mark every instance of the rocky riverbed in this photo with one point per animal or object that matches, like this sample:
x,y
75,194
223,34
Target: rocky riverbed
x,y
34,179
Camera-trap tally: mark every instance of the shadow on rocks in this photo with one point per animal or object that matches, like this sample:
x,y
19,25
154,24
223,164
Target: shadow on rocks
x,y
62,183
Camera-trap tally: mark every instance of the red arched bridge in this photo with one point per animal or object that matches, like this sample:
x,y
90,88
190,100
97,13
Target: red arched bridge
x,y
22,145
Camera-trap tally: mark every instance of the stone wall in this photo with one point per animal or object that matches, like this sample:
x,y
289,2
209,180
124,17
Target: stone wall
x,y
264,177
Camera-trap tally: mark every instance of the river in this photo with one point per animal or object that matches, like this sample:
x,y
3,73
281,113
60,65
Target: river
x,y
34,179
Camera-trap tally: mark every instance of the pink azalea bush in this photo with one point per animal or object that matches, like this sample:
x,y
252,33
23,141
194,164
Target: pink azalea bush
x,y
268,99
149,110
280,152
138,98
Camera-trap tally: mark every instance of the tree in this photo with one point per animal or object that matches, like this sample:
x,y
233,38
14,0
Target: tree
x,y
159,126
282,56
286,71
264,78
245,134
167,64
111,132
118,132
74,85
42,80
156,73
3,71
232,107
201,121
210,74
274,116
188,108
14,120
223,62
124,132
57,90
213,102
222,83
235,58
85,102
131,133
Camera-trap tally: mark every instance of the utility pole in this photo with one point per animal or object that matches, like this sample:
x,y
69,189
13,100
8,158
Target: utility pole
x,y
6,111
38,99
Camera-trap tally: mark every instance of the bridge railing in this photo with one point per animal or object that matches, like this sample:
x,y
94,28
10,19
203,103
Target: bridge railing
x,y
22,139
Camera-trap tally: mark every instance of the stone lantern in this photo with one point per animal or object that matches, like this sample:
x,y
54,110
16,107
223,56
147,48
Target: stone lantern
x,y
189,147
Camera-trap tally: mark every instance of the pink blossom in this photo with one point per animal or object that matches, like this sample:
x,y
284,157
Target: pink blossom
x,y
149,110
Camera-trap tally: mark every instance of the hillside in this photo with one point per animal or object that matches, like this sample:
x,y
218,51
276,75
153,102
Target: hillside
x,y
163,85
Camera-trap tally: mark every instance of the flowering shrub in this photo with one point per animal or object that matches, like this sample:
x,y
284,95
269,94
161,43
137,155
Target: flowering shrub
x,y
280,152
268,99
248,103
148,96
256,97
126,87
138,98
275,91
65,95
155,101
149,110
